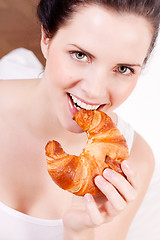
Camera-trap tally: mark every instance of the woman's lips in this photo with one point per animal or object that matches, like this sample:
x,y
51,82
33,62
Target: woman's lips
x,y
88,103
73,109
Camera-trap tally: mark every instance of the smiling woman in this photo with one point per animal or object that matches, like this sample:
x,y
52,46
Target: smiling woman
x,y
95,52
103,74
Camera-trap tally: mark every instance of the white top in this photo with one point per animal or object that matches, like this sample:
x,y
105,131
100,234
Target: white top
x,y
15,225
127,131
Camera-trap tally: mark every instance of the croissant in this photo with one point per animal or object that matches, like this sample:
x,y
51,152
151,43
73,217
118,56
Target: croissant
x,y
106,148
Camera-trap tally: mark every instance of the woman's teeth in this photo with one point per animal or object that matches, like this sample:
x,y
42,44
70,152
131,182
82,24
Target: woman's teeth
x,y
78,104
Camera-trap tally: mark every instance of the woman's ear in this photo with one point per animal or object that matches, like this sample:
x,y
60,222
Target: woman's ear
x,y
44,43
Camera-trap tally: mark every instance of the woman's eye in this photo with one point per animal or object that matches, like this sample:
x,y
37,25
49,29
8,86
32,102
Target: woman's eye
x,y
80,56
125,70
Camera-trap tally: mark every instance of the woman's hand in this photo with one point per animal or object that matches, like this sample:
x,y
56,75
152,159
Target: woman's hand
x,y
117,191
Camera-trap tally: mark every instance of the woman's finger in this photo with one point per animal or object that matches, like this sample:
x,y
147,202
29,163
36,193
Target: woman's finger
x,y
121,184
130,174
111,212
93,211
111,193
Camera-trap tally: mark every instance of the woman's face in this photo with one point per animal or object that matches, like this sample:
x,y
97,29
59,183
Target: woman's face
x,y
94,62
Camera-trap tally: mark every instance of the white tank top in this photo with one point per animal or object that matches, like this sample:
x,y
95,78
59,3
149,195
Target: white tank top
x,y
15,225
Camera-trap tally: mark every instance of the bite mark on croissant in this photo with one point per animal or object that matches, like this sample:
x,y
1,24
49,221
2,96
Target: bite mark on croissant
x,y
106,148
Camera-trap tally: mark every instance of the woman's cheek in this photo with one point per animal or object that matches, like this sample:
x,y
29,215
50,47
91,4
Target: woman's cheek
x,y
62,71
121,93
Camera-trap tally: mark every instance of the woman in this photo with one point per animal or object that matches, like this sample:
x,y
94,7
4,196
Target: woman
x,y
95,52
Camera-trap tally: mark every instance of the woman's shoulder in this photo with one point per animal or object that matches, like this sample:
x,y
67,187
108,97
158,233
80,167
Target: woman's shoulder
x,y
13,89
142,159
15,83
141,155
8,87
8,94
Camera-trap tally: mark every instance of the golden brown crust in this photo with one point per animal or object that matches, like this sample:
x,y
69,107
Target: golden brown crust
x,y
106,148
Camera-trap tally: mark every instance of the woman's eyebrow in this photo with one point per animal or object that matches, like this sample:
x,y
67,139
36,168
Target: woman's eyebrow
x,y
83,50
130,65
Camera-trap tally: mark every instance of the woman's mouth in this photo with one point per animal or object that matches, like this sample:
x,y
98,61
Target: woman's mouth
x,y
76,104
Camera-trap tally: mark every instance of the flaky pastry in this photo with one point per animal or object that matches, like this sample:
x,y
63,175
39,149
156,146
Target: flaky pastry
x,y
106,148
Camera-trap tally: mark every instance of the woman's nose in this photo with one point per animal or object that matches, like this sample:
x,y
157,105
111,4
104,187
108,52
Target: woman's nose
x,y
96,85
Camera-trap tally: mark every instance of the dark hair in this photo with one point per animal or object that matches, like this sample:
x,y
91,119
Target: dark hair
x,y
53,14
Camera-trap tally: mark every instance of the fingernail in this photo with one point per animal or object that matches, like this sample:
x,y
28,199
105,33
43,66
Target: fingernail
x,y
126,164
109,173
88,197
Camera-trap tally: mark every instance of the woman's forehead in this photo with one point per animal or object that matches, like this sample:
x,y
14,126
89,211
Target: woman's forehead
x,y
94,26
94,19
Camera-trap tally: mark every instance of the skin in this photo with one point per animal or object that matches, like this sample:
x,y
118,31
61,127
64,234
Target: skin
x,y
36,111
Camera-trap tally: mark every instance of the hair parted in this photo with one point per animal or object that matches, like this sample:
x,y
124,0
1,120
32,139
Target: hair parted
x,y
53,14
